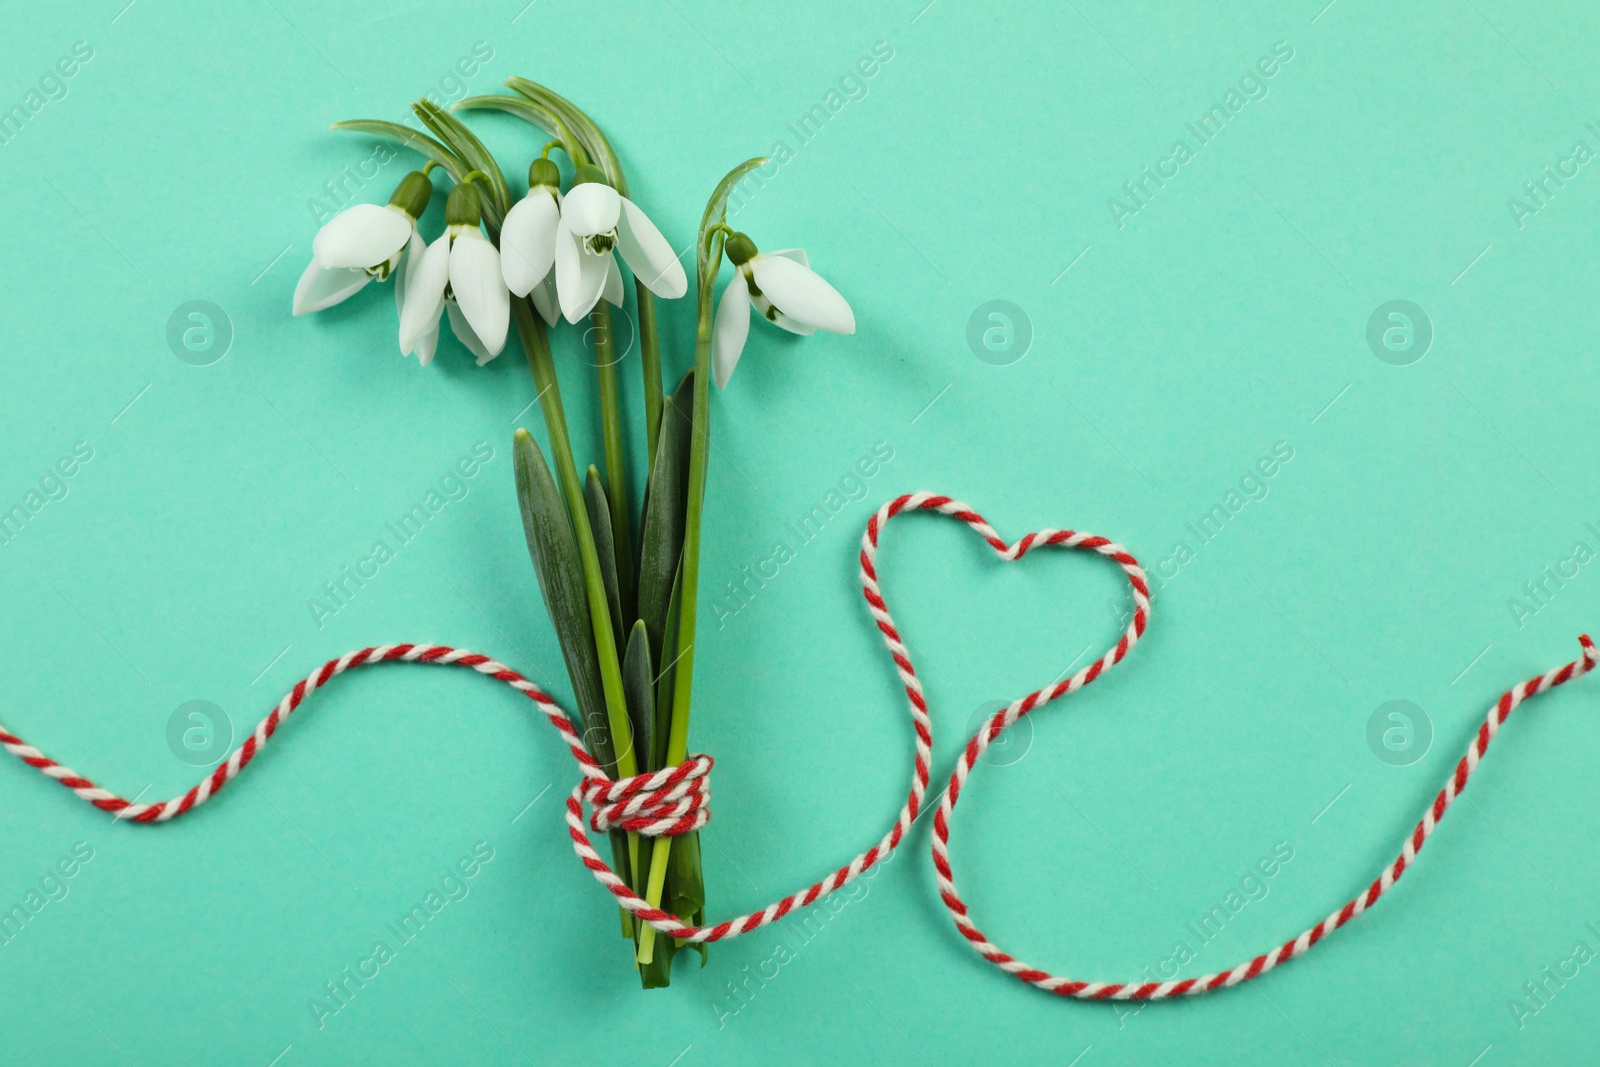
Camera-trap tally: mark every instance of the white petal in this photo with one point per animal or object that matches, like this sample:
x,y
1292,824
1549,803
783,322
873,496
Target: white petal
x,y
648,254
425,282
792,325
800,293
320,287
479,289
765,308
414,252
613,287
428,344
580,277
361,236
462,328
731,328
544,299
528,241
569,273
591,208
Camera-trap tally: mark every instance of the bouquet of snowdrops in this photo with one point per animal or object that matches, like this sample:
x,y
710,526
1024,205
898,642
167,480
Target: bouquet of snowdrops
x,y
618,569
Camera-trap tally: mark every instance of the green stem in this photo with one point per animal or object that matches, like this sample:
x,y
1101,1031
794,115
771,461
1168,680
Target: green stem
x,y
537,348
616,462
650,368
683,680
708,258
592,139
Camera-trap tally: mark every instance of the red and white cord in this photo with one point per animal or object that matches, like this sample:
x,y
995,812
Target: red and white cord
x,y
675,800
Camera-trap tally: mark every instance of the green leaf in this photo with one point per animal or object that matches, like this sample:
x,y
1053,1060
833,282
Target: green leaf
x,y
661,540
525,109
664,680
537,345
415,140
465,144
561,581
599,508
692,878
685,883
590,140
638,683
657,974
686,886
454,133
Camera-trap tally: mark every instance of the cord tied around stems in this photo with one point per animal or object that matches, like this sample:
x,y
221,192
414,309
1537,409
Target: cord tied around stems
x,y
664,803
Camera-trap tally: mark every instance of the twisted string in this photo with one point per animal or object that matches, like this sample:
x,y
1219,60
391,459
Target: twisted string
x,y
675,800
662,803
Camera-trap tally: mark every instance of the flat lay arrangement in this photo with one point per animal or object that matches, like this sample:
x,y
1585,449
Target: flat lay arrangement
x,y
626,622
795,411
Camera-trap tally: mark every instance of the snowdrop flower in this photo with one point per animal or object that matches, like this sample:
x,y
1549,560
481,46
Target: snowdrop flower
x,y
528,240
594,220
783,289
361,243
460,272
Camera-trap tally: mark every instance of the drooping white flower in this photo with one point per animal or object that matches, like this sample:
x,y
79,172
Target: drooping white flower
x,y
426,344
546,301
528,240
461,270
360,243
783,289
595,219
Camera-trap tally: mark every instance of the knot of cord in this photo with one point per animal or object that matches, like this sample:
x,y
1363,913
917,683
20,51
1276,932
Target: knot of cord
x,y
664,803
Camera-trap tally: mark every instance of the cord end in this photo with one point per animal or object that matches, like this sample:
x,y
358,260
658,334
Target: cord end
x,y
1590,655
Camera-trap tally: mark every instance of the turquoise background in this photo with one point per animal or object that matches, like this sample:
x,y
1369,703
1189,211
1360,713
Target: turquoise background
x,y
1168,355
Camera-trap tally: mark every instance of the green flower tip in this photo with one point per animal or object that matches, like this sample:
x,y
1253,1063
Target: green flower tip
x,y
462,208
589,173
412,194
544,172
739,248
521,435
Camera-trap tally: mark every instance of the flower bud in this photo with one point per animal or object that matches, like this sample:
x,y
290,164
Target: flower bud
x,y
543,172
462,207
739,248
412,194
589,173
